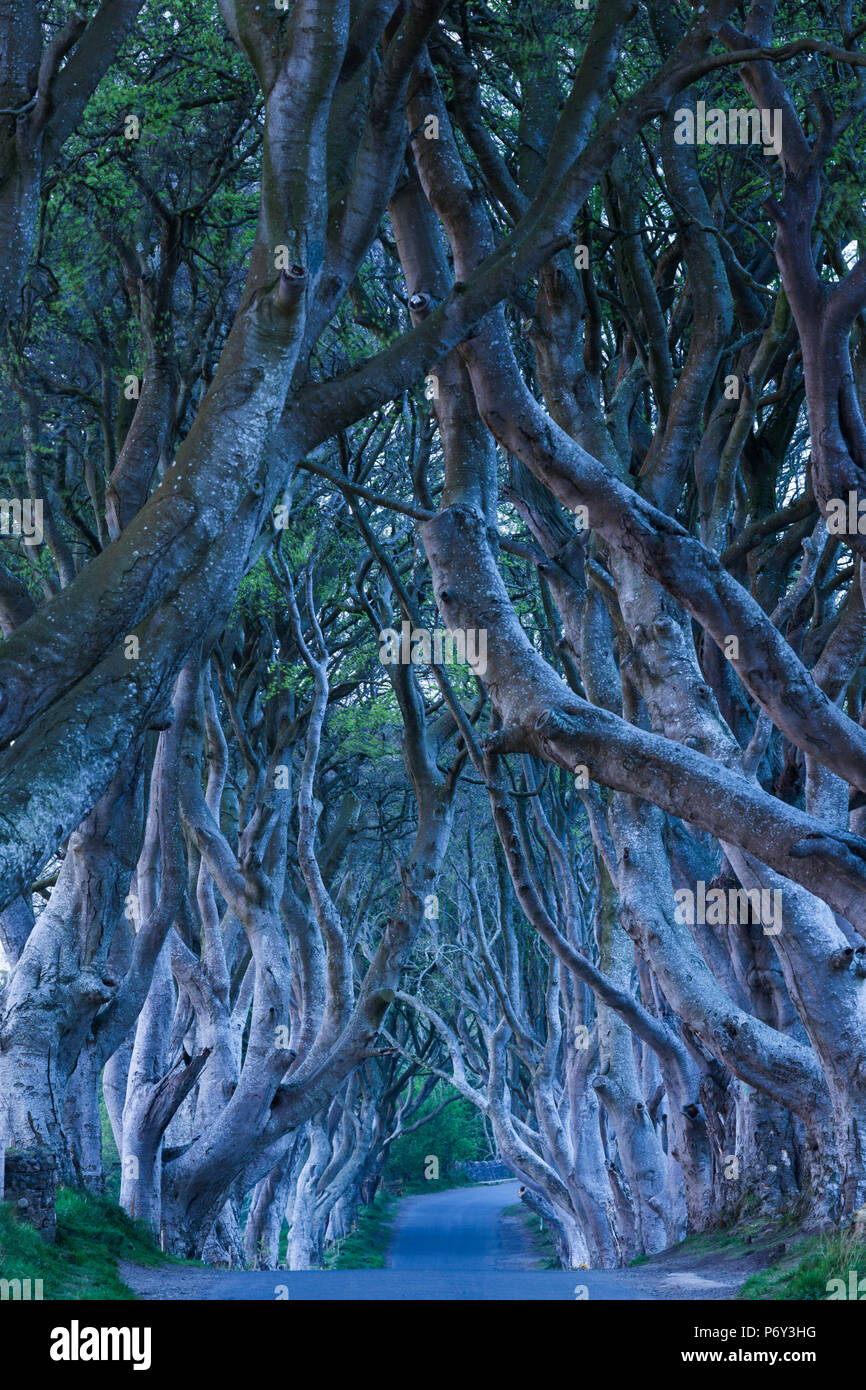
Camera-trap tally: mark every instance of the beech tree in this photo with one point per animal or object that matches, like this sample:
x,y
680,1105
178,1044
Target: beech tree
x,y
338,338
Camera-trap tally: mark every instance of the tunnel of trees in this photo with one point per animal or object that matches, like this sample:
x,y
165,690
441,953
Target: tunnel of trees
x,y
432,599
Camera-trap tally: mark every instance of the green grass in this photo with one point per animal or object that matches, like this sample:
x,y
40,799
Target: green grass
x,y
92,1235
367,1245
807,1268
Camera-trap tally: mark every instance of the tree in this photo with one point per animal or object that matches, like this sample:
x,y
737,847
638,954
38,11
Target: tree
x,y
385,332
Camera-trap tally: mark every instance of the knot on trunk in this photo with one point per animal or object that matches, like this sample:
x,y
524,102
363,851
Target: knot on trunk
x,y
291,286
420,305
841,959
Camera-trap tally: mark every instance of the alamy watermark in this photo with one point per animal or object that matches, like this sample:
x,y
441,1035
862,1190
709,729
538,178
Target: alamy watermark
x,y
77,1343
416,646
22,518
854,1291
716,907
737,126
846,516
23,1290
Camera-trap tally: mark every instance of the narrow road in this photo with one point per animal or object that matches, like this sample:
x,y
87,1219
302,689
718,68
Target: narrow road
x,y
460,1228
446,1246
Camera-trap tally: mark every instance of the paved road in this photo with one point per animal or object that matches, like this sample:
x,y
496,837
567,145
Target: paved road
x,y
456,1229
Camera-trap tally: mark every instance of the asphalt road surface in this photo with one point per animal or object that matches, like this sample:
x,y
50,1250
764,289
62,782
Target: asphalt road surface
x,y
460,1228
446,1246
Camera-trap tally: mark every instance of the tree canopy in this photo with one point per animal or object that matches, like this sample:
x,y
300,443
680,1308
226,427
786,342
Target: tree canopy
x,y
431,588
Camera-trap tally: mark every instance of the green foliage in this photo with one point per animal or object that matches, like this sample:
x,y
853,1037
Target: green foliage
x,y
92,1235
257,593
455,1135
359,728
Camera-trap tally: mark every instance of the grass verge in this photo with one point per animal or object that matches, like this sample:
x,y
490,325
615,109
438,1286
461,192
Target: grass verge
x,y
542,1245
367,1245
805,1271
93,1233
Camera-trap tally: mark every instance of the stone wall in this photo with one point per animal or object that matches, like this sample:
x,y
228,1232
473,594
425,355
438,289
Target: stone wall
x,y
30,1182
